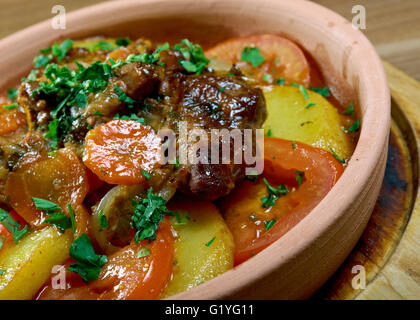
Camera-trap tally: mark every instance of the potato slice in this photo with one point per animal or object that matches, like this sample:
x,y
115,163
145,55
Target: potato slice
x,y
319,125
27,265
204,247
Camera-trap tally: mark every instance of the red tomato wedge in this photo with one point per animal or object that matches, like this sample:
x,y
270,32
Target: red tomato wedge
x,y
60,178
126,276
6,237
255,227
10,120
118,150
282,58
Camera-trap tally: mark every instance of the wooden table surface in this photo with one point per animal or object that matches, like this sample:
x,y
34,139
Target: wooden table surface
x,y
393,26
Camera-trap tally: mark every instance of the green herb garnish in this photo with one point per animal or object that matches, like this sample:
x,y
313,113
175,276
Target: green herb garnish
x,y
132,116
269,133
310,105
55,215
89,264
253,56
123,42
103,221
14,105
148,213
269,224
350,110
210,242
325,92
293,144
273,194
13,226
194,59
145,252
12,93
336,156
267,77
355,126
299,177
280,81
145,174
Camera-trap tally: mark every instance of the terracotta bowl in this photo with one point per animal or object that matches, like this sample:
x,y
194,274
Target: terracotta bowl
x,y
296,265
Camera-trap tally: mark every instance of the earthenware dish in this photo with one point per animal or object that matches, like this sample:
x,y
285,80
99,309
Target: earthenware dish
x,y
296,265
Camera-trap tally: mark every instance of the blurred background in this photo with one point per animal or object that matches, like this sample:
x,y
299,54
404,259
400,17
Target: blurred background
x,y
393,26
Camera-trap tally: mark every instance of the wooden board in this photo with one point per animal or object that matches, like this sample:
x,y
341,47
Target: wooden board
x,y
389,249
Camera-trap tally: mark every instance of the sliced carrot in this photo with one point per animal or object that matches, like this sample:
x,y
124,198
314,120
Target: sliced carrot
x,y
118,150
282,58
60,179
10,120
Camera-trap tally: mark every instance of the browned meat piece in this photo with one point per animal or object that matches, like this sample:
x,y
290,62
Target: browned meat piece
x,y
210,101
213,102
137,80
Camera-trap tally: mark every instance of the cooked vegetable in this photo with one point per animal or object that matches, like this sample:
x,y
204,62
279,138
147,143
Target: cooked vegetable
x,y
266,55
245,215
126,276
204,247
119,149
320,126
63,181
28,264
11,119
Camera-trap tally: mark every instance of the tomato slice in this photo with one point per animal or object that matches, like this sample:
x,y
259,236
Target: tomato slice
x,y
60,178
118,150
243,211
283,58
125,276
6,237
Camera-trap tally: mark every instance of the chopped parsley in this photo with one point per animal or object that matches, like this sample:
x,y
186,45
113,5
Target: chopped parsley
x,y
336,156
103,46
55,215
123,42
280,81
89,264
14,105
145,252
299,177
302,90
221,89
176,163
132,116
325,92
293,144
350,110
210,242
309,105
12,94
269,224
149,58
70,88
58,51
12,225
273,194
194,59
103,221
267,77
355,126
123,97
148,213
269,133
253,56
145,174
2,272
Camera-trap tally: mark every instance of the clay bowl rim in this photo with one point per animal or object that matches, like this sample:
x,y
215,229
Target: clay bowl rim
x,y
375,128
